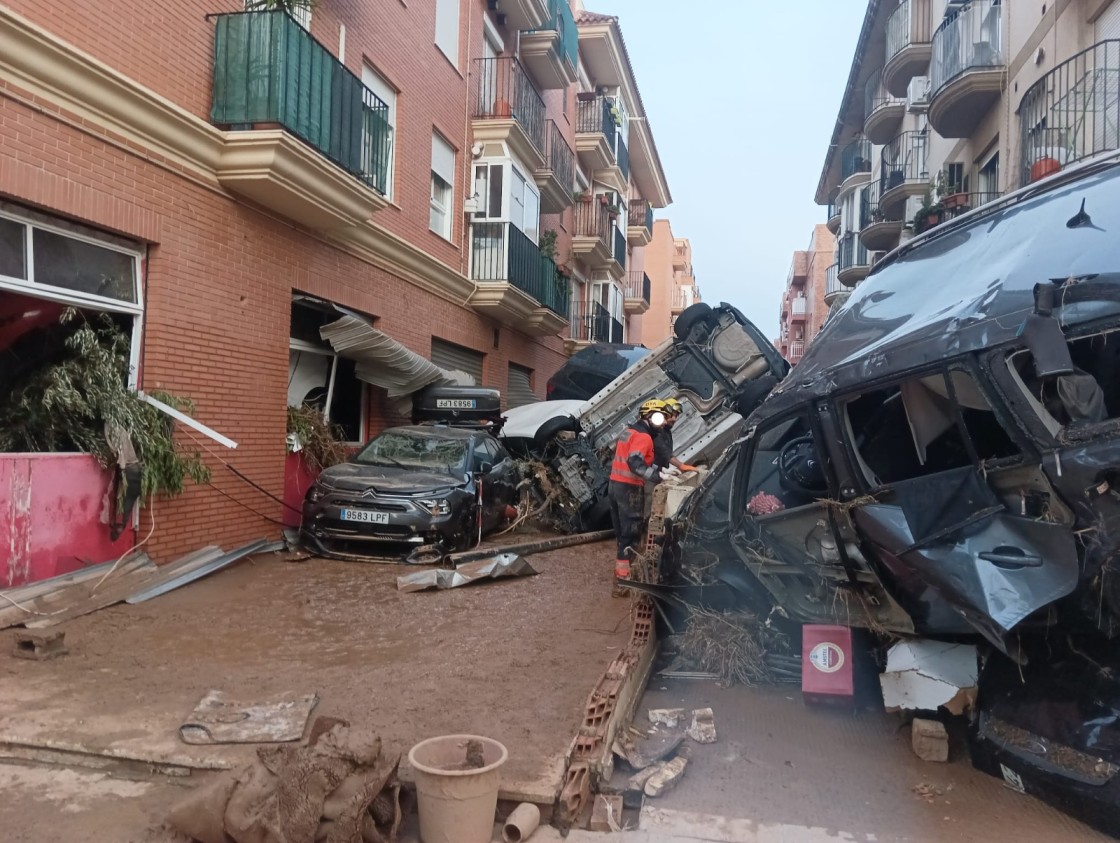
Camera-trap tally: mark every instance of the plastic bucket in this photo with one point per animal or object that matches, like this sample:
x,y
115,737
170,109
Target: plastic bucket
x,y
456,803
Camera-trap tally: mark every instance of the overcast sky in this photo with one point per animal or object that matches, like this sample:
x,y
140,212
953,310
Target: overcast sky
x,y
742,97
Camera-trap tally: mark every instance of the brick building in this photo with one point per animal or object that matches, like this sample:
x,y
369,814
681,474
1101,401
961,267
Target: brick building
x,y
803,308
668,266
226,184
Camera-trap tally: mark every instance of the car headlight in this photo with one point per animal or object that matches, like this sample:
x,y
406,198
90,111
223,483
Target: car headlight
x,y
436,506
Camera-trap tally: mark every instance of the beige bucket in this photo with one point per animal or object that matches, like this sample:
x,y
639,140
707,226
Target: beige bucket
x,y
456,805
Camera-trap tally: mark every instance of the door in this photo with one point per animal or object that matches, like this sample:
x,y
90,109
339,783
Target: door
x,y
496,486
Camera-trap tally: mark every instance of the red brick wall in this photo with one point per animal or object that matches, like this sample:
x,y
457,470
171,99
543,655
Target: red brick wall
x,y
220,274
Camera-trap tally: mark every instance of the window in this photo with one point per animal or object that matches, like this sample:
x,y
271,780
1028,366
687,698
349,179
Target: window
x,y
388,95
489,191
447,29
482,454
443,186
988,178
786,468
1088,395
319,378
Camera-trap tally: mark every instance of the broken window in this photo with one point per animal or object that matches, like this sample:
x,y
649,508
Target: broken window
x,y
1088,395
318,377
925,426
787,468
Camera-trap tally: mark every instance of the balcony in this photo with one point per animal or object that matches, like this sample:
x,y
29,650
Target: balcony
x,y
855,164
796,350
834,291
903,171
637,292
680,256
1071,112
908,45
598,144
684,296
799,309
951,206
556,176
509,109
619,253
852,261
514,283
877,231
967,70
309,139
833,218
591,322
639,222
550,51
882,111
591,236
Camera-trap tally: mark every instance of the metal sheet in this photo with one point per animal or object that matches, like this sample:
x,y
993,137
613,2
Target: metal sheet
x,y
150,591
502,565
218,720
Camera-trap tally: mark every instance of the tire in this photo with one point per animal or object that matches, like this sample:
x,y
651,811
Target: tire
x,y
693,315
550,428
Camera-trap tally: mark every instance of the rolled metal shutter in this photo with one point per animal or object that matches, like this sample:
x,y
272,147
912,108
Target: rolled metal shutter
x,y
519,389
1108,24
453,357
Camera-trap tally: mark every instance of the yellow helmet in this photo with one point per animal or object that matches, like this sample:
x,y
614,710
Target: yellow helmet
x,y
672,405
653,405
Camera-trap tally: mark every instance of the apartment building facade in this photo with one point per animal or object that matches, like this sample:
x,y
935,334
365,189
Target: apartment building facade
x,y
667,262
949,105
281,209
803,310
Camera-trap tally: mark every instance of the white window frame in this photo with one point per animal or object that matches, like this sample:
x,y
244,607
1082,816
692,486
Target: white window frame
x,y
447,29
387,93
29,287
443,206
304,347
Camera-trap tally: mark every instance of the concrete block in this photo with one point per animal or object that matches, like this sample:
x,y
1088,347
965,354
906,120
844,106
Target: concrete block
x,y
668,774
703,728
39,646
607,813
929,740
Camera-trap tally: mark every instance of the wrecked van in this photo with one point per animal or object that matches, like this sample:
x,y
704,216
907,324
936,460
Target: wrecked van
x,y
945,459
717,364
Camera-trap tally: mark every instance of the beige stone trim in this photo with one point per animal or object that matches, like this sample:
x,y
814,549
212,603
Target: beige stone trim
x,y
38,62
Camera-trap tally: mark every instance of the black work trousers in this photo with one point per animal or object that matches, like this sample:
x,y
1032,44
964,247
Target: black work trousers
x,y
628,504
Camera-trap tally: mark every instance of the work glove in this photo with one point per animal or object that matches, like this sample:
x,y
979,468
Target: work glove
x,y
685,467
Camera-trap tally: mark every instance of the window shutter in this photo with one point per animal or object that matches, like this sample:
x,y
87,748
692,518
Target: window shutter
x,y
1108,24
519,388
443,159
447,28
455,358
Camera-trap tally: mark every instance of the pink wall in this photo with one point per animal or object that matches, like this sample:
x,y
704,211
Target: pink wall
x,y
54,516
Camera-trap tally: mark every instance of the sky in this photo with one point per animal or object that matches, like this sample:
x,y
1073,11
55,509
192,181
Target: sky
x,y
742,97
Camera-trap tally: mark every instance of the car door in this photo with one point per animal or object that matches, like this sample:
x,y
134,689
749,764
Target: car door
x,y
956,505
493,468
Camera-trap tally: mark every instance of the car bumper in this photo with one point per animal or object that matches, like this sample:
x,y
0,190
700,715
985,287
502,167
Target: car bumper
x,y
406,522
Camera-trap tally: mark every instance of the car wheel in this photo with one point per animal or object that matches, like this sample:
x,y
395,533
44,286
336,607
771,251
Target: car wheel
x,y
550,428
693,315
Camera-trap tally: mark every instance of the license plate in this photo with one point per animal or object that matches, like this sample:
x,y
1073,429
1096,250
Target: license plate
x,y
365,516
455,404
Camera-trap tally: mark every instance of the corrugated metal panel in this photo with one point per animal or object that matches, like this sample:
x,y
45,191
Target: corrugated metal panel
x,y
454,358
519,389
380,359
1108,24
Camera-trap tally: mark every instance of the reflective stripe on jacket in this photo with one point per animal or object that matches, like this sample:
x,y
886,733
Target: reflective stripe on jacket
x,y
635,446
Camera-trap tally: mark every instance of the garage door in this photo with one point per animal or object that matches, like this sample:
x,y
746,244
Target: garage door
x,y
519,389
453,357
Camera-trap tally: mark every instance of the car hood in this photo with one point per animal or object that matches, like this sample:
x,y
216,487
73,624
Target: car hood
x,y
523,422
356,477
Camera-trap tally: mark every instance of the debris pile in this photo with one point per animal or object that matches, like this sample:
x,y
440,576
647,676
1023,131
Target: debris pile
x,y
737,647
660,756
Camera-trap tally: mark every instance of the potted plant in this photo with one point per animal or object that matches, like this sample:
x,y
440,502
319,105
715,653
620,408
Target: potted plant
x,y
614,211
583,196
950,194
604,199
547,244
928,215
292,7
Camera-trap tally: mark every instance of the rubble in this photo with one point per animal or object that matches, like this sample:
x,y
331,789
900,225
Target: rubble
x,y
669,717
218,720
703,728
924,675
606,813
929,739
665,777
499,566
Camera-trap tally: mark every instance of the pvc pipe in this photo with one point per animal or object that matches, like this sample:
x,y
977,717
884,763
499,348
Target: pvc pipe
x,y
521,823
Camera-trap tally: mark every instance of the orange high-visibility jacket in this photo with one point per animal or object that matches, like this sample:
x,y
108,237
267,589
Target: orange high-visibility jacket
x,y
633,456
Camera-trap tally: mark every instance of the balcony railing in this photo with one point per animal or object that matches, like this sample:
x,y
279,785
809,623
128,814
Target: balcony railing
x,y
908,24
503,90
563,24
832,211
640,215
1072,112
592,219
954,205
622,156
559,157
591,322
500,252
619,250
268,69
799,306
967,39
796,350
851,252
832,283
905,159
875,96
684,296
594,115
637,285
855,158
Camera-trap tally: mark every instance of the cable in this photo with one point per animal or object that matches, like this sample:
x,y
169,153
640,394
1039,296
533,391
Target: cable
x,y
134,548
248,480
246,506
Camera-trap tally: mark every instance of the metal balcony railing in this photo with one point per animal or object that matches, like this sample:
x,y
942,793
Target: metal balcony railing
x,y
799,306
591,322
563,24
1072,112
592,219
619,250
832,283
638,285
850,253
796,350
908,24
500,252
594,115
268,69
967,39
956,204
640,215
904,159
559,158
869,211
855,158
622,156
875,96
503,90
684,296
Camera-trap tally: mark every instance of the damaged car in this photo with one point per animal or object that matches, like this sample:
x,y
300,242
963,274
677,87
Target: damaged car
x,y
430,483
945,462
717,364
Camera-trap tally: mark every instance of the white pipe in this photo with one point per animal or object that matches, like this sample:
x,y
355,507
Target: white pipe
x,y
187,420
521,823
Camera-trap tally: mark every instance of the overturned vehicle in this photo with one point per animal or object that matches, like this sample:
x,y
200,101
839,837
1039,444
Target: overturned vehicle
x,y
945,462
718,365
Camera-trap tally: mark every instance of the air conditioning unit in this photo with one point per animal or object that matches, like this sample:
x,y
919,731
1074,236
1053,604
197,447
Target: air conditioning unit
x,y
917,94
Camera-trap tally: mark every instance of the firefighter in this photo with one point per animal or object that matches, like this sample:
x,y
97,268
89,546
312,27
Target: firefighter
x,y
633,465
663,438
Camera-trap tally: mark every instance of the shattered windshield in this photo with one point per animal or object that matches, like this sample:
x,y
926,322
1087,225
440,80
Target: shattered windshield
x,y
414,450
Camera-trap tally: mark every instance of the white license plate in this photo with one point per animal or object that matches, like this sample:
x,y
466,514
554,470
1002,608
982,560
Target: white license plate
x,y
365,516
455,404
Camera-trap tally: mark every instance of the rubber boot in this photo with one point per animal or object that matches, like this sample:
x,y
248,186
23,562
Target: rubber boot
x,y
621,572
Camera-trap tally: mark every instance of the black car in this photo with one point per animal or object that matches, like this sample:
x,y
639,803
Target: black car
x,y
592,368
417,484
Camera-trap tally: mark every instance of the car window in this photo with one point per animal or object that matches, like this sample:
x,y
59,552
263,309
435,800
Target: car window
x,y
482,453
923,426
786,468
413,450
1087,396
497,454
